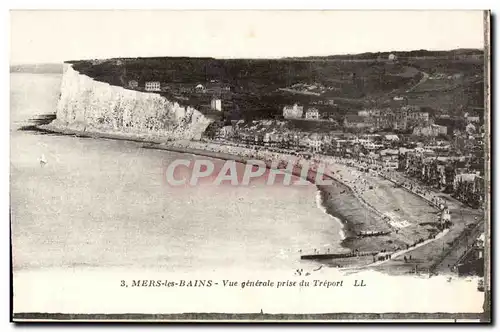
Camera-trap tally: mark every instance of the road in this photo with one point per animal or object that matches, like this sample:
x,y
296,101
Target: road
x,y
463,243
435,256
425,77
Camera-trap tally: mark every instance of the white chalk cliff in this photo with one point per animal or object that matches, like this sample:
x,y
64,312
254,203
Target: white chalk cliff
x,y
89,105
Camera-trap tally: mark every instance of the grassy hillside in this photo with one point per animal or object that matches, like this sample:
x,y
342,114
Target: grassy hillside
x,y
350,83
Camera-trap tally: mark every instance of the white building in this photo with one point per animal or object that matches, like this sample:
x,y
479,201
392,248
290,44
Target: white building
x,y
293,112
312,114
470,129
445,215
315,143
369,112
430,130
392,57
153,86
216,104
471,119
393,138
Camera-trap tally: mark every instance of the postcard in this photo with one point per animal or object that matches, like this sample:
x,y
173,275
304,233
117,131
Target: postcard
x,y
250,166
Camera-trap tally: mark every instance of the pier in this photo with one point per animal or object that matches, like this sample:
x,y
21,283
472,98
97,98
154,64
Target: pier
x,y
335,256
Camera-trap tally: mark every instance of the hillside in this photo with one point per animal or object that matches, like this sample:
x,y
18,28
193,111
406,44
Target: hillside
x,y
260,88
463,52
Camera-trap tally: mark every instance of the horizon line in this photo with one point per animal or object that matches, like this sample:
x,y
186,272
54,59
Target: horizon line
x,y
250,58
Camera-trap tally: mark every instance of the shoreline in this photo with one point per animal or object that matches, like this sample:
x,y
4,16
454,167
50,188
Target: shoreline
x,y
320,204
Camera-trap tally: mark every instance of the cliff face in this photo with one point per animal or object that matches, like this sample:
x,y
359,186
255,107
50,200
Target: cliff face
x,y
89,105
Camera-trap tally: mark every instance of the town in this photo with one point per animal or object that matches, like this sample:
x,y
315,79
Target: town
x,y
453,163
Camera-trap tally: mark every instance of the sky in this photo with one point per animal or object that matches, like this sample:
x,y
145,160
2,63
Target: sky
x,y
42,36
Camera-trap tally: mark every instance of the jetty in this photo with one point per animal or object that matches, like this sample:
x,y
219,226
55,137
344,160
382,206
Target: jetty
x,y
336,256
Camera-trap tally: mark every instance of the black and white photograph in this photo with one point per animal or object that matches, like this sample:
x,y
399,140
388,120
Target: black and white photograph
x,y
250,165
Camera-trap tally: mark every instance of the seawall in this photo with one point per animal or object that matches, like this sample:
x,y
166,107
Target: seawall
x,y
89,105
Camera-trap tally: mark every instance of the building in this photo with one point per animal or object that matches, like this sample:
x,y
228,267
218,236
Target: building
x,y
467,178
316,145
293,112
216,104
432,130
472,260
392,57
418,117
133,84
153,86
312,113
470,129
374,112
389,158
400,120
391,138
472,118
415,116
379,119
215,88
313,142
225,132
356,121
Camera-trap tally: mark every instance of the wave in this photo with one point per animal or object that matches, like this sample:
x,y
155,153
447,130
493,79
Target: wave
x,y
320,204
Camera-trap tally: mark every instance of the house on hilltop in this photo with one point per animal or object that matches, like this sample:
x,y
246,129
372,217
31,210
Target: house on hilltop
x,y
312,113
293,112
199,88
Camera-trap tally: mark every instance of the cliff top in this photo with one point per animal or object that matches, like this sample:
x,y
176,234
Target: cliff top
x,y
253,85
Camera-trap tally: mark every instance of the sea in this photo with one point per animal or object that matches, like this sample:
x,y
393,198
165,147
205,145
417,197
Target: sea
x,y
103,204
